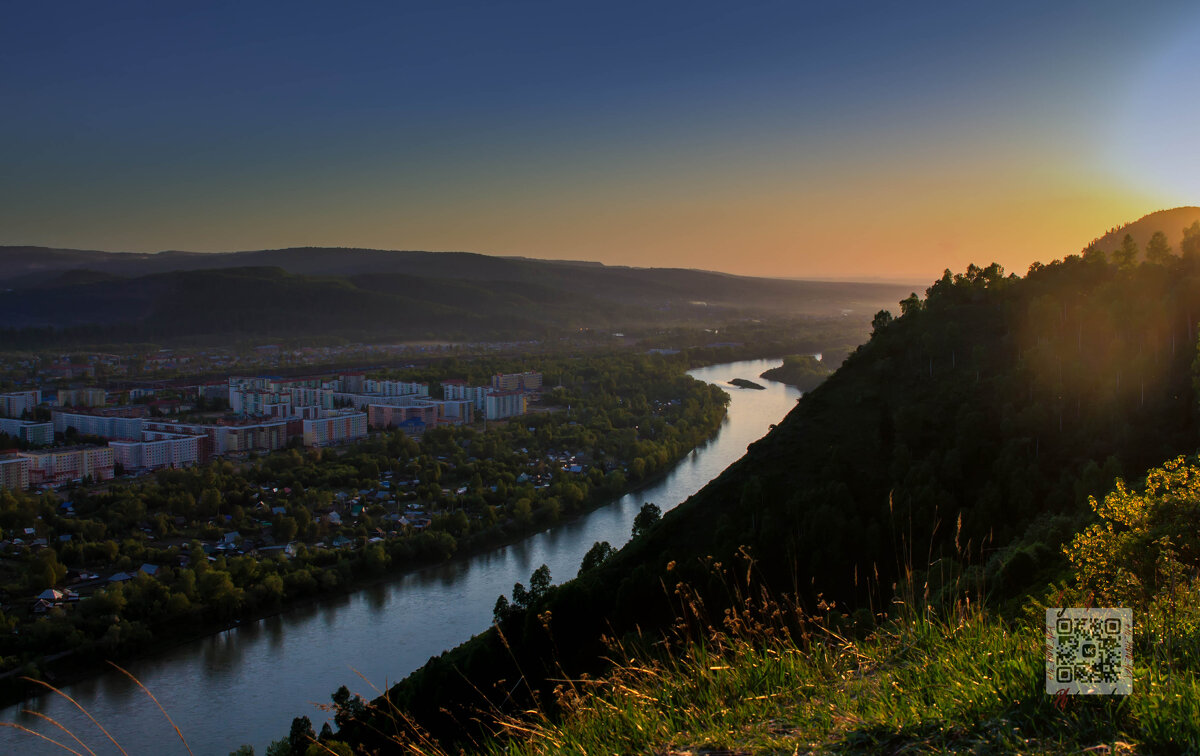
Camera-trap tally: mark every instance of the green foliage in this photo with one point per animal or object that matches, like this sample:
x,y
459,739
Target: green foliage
x,y
301,736
1126,255
646,518
1146,542
882,320
1158,250
597,555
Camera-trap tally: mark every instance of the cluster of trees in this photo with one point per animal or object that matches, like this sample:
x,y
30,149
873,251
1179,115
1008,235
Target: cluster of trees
x,y
622,418
969,432
804,371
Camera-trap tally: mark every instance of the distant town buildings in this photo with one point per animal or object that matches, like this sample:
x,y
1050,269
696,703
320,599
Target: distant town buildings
x,y
508,396
156,451
517,381
103,425
17,403
265,414
61,466
82,397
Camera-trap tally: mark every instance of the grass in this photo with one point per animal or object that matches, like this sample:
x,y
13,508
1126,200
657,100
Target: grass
x,y
770,678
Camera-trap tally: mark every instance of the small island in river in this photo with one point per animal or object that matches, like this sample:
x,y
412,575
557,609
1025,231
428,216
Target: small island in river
x,y
743,383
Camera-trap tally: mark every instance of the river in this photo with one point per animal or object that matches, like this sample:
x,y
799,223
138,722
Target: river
x,y
244,686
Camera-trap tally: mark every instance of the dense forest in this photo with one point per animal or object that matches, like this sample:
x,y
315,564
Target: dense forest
x,y
969,433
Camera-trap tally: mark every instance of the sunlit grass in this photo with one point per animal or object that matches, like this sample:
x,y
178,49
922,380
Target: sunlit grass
x,y
769,678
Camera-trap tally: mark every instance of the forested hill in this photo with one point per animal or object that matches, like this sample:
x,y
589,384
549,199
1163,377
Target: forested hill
x,y
1170,223
966,433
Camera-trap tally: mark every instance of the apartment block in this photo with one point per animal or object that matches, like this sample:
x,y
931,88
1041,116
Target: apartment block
x,y
255,402
502,404
395,388
458,390
16,403
455,410
82,397
57,467
157,451
527,381
37,434
228,437
335,427
384,416
105,426
14,472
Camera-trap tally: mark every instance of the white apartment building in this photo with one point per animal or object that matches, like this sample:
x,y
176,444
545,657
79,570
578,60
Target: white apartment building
x,y
335,427
157,451
98,425
16,403
38,434
502,404
59,466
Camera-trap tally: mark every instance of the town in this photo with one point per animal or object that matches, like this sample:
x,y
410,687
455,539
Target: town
x,y
263,414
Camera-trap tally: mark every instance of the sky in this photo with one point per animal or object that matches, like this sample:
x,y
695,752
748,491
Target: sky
x,y
798,139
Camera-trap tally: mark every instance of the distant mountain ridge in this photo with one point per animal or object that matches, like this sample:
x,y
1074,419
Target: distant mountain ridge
x,y
369,294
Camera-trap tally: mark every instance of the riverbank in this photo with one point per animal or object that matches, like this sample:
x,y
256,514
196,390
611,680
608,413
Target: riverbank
x,y
77,665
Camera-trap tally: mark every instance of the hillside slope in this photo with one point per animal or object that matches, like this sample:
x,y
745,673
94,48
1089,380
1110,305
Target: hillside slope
x,y
968,431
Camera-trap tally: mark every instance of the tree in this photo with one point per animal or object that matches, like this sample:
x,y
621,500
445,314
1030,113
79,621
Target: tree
x,y
1126,255
347,706
600,552
523,512
1158,251
286,529
911,303
1144,539
1190,246
882,320
301,736
46,571
539,583
501,609
645,519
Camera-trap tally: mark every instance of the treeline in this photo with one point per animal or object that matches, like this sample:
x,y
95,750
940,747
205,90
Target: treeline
x,y
215,534
968,432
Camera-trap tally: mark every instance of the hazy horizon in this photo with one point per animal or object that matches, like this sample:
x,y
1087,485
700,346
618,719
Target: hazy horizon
x,y
787,140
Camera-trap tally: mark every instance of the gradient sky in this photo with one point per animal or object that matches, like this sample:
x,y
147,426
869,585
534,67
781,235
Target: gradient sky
x,y
780,138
